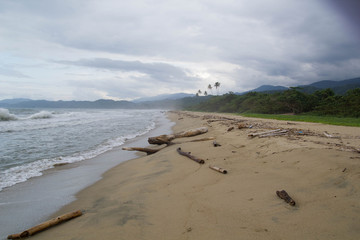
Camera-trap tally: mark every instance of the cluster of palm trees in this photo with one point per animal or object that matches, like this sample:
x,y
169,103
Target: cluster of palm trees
x,y
216,85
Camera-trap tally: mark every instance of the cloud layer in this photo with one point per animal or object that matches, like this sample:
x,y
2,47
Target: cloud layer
x,y
91,49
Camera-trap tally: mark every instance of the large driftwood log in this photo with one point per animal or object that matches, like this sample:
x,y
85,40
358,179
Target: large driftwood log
x,y
188,154
45,225
166,139
284,195
191,133
162,139
148,151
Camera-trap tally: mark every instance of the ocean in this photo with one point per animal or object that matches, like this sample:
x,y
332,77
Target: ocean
x,y
48,155
34,140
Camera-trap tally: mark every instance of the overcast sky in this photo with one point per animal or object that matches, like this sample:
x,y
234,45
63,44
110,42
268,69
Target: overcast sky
x,y
92,49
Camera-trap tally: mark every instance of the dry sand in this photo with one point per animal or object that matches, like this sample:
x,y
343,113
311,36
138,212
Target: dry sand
x,y
167,196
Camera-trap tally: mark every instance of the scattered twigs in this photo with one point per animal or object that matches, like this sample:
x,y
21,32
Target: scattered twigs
x,y
216,144
46,225
268,133
148,151
188,154
218,169
284,195
279,133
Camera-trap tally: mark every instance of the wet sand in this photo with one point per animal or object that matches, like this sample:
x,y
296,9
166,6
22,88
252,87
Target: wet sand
x,y
168,196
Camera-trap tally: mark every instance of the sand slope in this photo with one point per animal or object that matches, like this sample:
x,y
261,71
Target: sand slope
x,y
167,196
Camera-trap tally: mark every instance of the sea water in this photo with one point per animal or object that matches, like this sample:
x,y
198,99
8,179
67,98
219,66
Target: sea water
x,y
35,140
88,141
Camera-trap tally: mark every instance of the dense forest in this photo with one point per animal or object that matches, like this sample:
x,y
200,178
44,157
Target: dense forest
x,y
321,102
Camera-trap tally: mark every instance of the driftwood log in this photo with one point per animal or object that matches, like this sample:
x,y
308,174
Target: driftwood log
x,y
284,195
46,225
148,151
218,169
188,154
166,139
202,139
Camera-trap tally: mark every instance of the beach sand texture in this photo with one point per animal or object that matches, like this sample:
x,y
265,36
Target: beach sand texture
x,y
168,196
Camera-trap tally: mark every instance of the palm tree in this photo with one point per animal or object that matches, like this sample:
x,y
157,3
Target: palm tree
x,y
217,85
210,88
205,93
199,92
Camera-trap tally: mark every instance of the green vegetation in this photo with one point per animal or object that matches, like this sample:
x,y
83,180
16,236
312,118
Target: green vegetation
x,y
355,122
321,106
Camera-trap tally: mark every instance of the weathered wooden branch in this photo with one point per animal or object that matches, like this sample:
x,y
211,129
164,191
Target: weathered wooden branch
x,y
218,169
46,225
166,139
148,151
284,195
202,139
188,154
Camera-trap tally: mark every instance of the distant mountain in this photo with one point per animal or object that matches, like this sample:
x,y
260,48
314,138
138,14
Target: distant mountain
x,y
269,88
163,97
13,101
339,87
102,103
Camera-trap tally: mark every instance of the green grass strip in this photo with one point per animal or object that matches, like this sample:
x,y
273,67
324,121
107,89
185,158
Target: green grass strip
x,y
354,122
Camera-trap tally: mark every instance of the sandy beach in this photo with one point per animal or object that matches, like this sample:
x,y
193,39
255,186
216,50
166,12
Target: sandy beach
x,y
168,196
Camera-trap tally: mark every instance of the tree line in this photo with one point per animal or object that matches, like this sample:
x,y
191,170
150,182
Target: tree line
x,y
322,102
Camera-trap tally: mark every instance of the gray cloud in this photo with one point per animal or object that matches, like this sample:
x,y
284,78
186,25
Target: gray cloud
x,y
242,44
161,72
12,73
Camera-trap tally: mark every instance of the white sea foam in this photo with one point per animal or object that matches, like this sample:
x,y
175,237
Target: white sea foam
x,y
22,173
41,115
5,115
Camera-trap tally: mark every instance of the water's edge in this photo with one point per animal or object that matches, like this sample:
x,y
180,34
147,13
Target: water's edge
x,y
29,203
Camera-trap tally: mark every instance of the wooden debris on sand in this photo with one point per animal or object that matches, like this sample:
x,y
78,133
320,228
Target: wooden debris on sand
x,y
202,139
284,195
218,169
148,151
230,129
46,225
276,132
188,154
166,139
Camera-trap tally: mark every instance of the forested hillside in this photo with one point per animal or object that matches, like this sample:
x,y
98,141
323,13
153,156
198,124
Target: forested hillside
x,y
321,102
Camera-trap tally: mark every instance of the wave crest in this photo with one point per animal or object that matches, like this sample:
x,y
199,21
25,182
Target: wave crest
x,y
5,115
41,115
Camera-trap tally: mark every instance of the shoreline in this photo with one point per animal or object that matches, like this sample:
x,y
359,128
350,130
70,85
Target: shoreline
x,y
167,196
41,197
